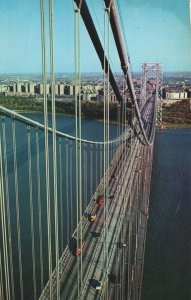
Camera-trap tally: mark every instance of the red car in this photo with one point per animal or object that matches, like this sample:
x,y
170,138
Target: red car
x,y
100,200
78,250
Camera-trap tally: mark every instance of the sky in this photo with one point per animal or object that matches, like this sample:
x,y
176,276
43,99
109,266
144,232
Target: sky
x,y
155,31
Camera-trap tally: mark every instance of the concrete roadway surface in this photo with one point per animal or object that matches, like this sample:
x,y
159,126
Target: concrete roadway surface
x,y
98,253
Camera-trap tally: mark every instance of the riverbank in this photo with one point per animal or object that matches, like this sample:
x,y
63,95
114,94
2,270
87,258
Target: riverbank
x,y
175,126
177,115
89,110
165,125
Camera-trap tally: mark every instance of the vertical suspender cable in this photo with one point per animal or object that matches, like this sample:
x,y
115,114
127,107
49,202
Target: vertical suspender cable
x,y
85,176
61,195
17,210
107,141
106,132
4,229
122,273
54,146
71,188
39,209
96,164
129,254
76,129
78,135
1,279
101,161
31,209
8,208
67,191
104,145
80,146
43,41
91,170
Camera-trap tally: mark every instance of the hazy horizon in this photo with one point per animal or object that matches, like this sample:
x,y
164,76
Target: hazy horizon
x,y
154,30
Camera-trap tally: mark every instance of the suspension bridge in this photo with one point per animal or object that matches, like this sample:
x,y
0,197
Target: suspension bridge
x,y
74,211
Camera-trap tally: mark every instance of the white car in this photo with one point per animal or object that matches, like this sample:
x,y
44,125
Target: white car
x,y
96,284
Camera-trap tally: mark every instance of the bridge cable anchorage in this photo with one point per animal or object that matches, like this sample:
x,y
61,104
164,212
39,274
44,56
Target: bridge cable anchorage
x,y
4,151
46,141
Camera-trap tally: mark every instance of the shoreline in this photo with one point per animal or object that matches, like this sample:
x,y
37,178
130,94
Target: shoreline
x,y
175,126
64,114
165,125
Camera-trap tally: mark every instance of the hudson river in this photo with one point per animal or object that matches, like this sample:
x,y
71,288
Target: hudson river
x,y
167,273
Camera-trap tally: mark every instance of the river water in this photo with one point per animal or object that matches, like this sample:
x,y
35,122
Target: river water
x,y
66,190
167,270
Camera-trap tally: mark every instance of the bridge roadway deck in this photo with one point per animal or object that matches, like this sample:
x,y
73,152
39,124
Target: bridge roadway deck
x,y
100,263
94,252
98,254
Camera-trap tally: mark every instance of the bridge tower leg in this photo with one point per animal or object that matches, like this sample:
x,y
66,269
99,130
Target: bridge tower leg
x,y
154,72
159,114
144,83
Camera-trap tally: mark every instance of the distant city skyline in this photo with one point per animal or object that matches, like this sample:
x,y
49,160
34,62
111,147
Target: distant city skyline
x,y
155,31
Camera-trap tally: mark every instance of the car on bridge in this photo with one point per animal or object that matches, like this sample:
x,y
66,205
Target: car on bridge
x,y
110,196
92,217
121,245
96,284
75,246
114,176
95,234
100,200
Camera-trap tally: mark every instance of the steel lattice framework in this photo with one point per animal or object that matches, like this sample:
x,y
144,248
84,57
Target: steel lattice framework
x,y
152,71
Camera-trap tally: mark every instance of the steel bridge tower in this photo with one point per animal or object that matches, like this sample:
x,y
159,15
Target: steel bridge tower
x,y
153,71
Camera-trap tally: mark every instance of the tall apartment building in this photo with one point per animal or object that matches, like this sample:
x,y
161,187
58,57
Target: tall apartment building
x,y
26,87
31,88
19,87
62,87
69,90
57,89
176,95
42,88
